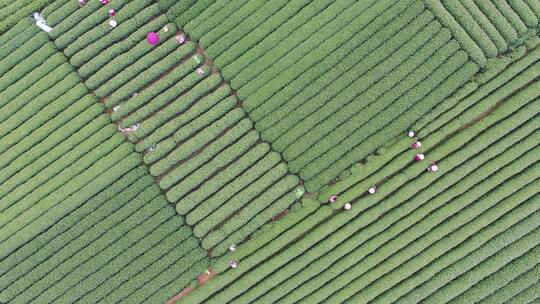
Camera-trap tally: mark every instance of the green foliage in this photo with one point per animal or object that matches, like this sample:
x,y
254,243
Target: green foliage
x,y
131,14
18,10
252,224
459,33
463,71
166,284
257,205
58,11
146,265
43,84
106,80
238,57
138,240
220,152
272,243
513,222
228,49
179,105
16,30
183,12
172,150
26,65
162,238
224,194
196,112
222,14
73,226
30,109
108,36
162,92
30,79
295,63
510,15
123,85
486,25
21,49
23,152
42,116
498,20
481,99
135,40
81,21
12,43
78,210
338,120
86,246
470,25
220,38
514,251
204,16
188,200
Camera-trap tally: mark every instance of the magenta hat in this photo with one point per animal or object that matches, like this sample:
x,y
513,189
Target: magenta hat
x,y
152,38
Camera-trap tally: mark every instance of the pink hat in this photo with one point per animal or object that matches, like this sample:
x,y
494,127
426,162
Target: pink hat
x,y
152,38
180,38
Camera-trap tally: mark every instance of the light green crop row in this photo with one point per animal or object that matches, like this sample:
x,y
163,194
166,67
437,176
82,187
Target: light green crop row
x,y
279,76
238,25
356,58
78,23
133,61
72,256
138,240
236,221
179,105
155,97
73,225
286,52
109,37
175,246
123,86
360,97
232,61
188,199
170,151
34,204
261,248
145,251
127,15
28,80
27,151
45,83
246,179
108,218
197,111
218,153
127,45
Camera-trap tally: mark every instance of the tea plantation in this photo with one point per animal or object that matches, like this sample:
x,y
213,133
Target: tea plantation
x,y
278,151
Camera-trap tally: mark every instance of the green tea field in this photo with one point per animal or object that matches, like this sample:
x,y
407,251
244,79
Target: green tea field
x,y
270,151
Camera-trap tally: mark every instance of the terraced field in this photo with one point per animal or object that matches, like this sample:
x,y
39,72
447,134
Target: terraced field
x,y
270,151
